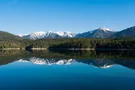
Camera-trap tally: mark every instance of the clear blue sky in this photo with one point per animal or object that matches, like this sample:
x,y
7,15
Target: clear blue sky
x,y
26,16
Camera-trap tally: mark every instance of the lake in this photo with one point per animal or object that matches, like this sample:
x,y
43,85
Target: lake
x,y
78,70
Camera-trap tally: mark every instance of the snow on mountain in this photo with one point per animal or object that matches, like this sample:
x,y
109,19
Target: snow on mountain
x,y
100,63
48,34
42,61
65,34
105,29
21,35
96,33
36,35
103,63
106,66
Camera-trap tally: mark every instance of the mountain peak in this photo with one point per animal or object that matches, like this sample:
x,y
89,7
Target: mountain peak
x,y
104,29
40,32
96,33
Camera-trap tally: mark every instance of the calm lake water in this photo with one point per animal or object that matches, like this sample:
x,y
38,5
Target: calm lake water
x,y
57,71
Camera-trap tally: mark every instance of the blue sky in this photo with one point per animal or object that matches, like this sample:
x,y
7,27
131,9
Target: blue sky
x,y
26,16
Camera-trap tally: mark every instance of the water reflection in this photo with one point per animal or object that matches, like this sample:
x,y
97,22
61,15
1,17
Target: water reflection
x,y
97,59
42,61
100,63
71,70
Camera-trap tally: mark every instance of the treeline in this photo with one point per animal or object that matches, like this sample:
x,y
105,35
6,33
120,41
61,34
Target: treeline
x,y
62,54
24,43
46,43
15,43
115,43
88,54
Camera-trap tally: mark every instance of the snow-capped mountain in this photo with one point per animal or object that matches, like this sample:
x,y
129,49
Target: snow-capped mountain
x,y
103,63
65,34
48,34
100,63
97,33
42,61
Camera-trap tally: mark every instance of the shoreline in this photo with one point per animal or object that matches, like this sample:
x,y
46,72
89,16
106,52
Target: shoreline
x,y
12,48
100,49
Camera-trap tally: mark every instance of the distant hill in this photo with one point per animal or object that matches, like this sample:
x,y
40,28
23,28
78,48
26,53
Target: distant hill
x,y
8,36
8,40
129,32
97,33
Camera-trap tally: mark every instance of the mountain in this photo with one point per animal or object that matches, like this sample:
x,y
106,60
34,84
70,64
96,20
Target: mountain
x,y
66,34
97,33
48,34
42,61
100,63
129,32
8,36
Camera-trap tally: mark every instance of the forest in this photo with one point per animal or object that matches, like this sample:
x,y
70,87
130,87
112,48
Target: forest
x,y
8,40
112,43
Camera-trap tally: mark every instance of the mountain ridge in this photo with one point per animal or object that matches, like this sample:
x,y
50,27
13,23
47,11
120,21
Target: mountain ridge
x,y
96,33
8,36
128,32
43,61
48,34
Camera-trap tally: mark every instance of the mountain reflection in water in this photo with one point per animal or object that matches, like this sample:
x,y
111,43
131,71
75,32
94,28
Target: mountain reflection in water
x,y
104,59
67,70
100,63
